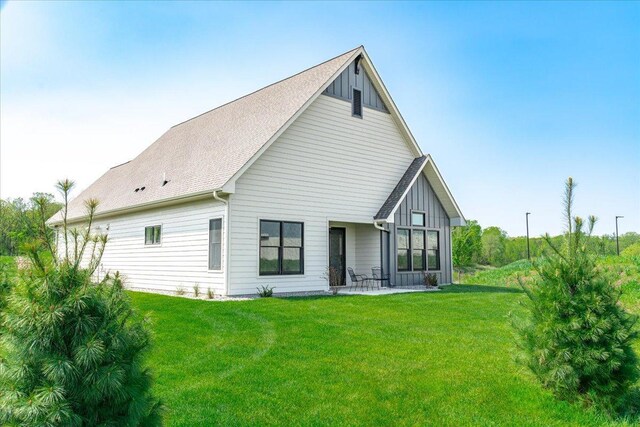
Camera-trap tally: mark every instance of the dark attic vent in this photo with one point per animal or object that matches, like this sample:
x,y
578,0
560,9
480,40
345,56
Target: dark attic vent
x,y
357,103
142,188
136,190
165,182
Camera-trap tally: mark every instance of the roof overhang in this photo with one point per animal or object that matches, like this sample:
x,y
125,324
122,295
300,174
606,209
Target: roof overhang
x,y
449,204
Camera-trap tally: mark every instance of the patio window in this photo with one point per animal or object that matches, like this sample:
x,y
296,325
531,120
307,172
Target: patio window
x,y
152,235
433,242
403,250
281,248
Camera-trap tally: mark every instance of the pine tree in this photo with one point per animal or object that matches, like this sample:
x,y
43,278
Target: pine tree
x,y
576,337
72,346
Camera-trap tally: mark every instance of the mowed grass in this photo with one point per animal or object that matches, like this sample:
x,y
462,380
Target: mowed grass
x,y
441,358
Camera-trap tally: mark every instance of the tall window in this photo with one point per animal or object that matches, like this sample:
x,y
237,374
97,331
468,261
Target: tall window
x,y
433,242
215,244
418,248
281,248
357,103
152,235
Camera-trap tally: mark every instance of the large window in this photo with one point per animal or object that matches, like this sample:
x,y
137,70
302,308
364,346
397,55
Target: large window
x,y
215,244
281,248
418,248
152,235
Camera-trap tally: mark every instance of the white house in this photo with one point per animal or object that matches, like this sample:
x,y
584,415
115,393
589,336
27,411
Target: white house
x,y
316,170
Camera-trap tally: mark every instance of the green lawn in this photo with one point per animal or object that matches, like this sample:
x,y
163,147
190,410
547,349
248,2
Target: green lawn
x,y
441,358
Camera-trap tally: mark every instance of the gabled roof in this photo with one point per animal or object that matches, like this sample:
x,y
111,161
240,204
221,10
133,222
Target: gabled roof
x,y
422,164
211,151
204,153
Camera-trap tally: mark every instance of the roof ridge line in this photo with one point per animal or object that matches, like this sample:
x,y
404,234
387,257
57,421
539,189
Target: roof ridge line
x,y
265,87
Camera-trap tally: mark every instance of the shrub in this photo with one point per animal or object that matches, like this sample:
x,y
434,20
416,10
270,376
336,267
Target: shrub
x,y
576,338
210,293
333,276
180,291
632,251
430,279
196,290
265,291
73,348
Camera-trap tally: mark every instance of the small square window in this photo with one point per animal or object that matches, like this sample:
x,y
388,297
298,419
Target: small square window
x,y
152,235
417,219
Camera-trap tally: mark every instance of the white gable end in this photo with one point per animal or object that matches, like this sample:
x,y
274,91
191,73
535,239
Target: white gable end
x,y
327,166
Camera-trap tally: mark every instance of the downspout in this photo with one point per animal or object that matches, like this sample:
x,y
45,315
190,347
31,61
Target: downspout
x,y
225,273
379,227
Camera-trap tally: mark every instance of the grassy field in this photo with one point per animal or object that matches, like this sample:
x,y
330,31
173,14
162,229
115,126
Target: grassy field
x,y
443,358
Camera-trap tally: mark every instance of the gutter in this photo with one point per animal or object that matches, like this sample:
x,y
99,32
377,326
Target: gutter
x,y
377,225
225,273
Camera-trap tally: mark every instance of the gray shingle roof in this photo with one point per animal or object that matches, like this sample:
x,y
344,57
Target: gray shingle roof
x,y
203,153
396,195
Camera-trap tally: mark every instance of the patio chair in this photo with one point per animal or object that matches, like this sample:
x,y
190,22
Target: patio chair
x,y
379,278
358,279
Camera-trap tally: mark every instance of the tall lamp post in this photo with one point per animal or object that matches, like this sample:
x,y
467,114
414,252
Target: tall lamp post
x,y
617,242
528,249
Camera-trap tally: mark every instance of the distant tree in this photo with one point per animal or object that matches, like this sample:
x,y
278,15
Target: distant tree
x,y
494,246
576,338
72,349
19,222
467,244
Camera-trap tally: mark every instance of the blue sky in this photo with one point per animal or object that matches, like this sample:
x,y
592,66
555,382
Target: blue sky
x,y
509,98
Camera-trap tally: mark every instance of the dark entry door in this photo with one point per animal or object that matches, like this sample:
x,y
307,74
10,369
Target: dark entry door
x,y
337,253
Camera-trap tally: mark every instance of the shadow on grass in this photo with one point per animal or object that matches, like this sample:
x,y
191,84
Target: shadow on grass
x,y
464,289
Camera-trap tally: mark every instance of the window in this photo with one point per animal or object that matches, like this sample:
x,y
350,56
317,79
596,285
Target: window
x,y
215,244
433,242
403,250
418,248
152,235
417,219
281,248
357,103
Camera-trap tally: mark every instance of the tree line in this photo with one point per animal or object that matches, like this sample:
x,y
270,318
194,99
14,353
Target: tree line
x,y
474,245
19,221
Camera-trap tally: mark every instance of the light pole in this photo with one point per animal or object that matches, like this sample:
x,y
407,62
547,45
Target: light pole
x,y
528,249
617,242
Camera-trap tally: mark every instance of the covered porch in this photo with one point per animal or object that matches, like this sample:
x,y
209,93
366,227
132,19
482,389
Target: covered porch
x,y
356,247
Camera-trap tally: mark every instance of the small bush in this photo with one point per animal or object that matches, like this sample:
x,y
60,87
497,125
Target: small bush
x,y
265,291
576,337
632,251
430,279
196,290
333,276
180,291
73,348
210,293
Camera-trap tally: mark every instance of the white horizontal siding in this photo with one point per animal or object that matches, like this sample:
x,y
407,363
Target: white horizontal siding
x,y
367,248
180,261
327,166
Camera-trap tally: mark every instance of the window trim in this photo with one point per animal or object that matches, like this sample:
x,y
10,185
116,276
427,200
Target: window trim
x,y
144,237
222,244
281,248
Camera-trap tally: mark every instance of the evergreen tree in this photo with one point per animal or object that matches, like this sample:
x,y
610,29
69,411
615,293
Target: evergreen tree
x,y
72,348
576,338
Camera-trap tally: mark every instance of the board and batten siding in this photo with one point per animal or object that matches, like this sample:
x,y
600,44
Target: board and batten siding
x,y
343,85
421,198
327,166
181,259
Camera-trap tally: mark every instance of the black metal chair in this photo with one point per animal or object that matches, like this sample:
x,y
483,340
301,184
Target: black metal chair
x,y
379,278
358,279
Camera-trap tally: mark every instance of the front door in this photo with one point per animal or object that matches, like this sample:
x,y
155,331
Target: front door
x,y
337,254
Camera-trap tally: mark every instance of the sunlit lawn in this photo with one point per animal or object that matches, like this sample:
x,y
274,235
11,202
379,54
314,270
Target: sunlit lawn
x,y
441,358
